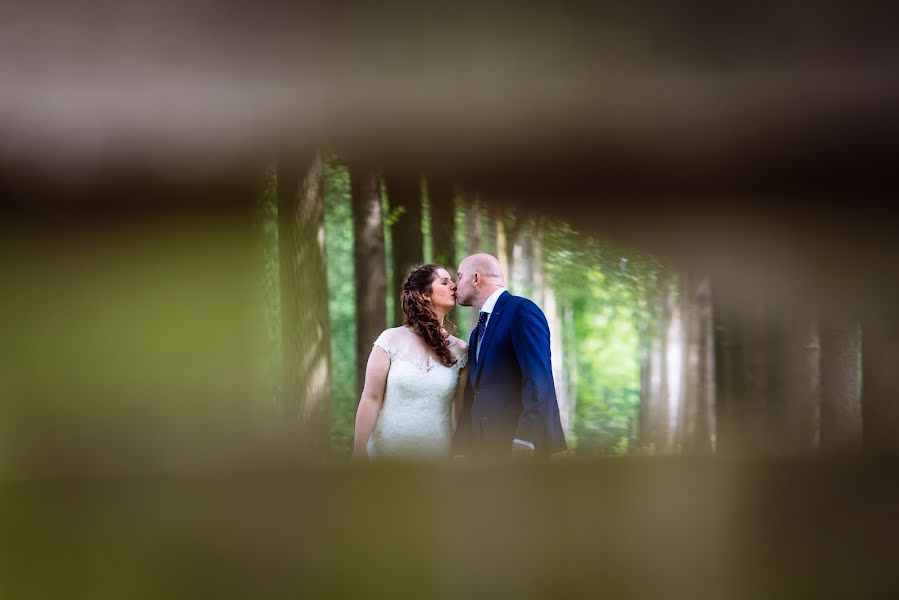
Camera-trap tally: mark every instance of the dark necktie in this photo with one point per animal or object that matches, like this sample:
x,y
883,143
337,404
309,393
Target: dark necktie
x,y
482,325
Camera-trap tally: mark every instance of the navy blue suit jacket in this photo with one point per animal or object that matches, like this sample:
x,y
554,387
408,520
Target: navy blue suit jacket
x,y
510,392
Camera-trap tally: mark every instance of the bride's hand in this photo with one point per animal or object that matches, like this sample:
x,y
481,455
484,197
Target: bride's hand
x,y
360,456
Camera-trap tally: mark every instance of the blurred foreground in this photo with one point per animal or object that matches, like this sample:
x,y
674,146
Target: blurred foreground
x,y
614,528
142,451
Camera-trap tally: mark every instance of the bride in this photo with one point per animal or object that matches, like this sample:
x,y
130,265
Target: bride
x,y
415,378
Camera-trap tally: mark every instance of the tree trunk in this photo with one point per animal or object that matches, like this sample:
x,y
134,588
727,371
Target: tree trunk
x,y
695,408
489,236
744,370
651,336
655,428
370,265
539,293
763,415
306,392
443,224
670,364
473,233
404,193
473,229
513,245
841,411
646,429
730,390
524,256
502,242
766,374
802,385
557,355
443,230
571,368
707,366
880,384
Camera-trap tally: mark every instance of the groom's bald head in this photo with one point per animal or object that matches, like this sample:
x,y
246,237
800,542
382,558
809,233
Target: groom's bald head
x,y
487,265
479,276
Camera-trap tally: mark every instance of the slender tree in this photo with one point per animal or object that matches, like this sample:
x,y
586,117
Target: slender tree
x,y
473,224
306,390
765,394
571,367
802,383
730,396
489,233
841,410
370,265
656,300
523,255
536,262
666,359
502,240
557,355
443,223
695,414
474,235
513,242
404,194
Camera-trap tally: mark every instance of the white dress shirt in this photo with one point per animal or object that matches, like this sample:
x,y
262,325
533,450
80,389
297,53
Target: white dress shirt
x,y
488,307
489,304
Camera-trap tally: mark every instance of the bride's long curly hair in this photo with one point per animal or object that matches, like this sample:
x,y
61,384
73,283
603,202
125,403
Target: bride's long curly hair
x,y
421,317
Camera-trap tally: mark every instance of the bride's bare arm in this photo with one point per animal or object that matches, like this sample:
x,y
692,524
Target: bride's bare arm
x,y
371,400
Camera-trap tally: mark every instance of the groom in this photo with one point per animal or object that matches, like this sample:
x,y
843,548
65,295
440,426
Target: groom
x,y
510,399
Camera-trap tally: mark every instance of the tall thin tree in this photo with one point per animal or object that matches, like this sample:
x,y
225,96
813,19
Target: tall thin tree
x,y
802,384
473,223
502,240
536,261
404,194
474,237
695,422
370,264
731,389
443,223
306,390
841,411
443,228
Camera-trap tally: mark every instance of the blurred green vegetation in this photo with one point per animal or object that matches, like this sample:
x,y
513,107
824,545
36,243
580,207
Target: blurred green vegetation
x,y
601,287
341,306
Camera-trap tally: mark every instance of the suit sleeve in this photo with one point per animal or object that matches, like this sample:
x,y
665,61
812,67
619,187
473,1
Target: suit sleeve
x,y
530,340
462,439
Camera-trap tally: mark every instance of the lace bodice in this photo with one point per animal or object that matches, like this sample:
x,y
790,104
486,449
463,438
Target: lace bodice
x,y
415,420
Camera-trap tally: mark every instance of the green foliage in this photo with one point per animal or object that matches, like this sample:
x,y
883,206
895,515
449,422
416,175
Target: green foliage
x,y
598,282
392,216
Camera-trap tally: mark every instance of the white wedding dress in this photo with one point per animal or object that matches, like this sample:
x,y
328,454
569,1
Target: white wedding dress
x,y
415,420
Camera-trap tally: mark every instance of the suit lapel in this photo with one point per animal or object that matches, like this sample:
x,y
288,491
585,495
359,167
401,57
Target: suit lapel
x,y
492,324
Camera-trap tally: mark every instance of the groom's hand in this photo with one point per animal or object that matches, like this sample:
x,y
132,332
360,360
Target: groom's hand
x,y
521,450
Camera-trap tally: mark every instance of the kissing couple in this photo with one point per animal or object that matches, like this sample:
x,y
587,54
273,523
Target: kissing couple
x,y
429,395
